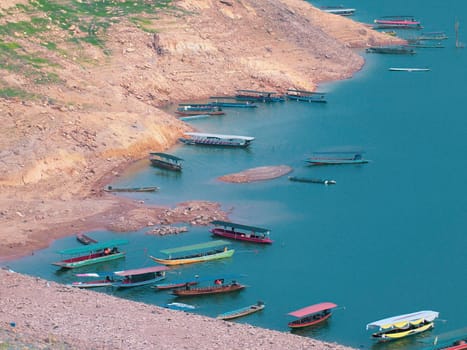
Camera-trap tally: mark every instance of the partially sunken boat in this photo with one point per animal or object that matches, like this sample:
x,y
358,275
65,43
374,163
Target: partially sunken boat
x,y
244,311
241,232
305,96
220,140
165,161
392,50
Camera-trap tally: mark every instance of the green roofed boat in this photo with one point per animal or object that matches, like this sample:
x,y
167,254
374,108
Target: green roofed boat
x,y
92,254
199,253
166,161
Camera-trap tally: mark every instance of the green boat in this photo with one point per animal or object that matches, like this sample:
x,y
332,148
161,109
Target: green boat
x,y
91,254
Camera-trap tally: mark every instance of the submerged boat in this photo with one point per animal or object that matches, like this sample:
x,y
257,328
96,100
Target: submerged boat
x,y
452,340
400,69
107,282
218,288
305,96
311,315
244,311
404,325
131,189
91,254
165,161
310,180
336,158
197,138
180,306
241,232
200,253
259,96
394,50
230,104
84,239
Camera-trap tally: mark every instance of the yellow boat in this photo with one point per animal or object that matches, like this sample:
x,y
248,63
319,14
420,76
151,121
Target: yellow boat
x,y
402,326
201,252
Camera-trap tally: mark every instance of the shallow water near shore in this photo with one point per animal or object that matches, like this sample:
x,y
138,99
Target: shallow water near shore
x,y
387,239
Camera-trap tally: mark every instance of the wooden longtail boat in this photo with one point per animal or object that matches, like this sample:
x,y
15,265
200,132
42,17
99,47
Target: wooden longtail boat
x,y
258,96
336,158
452,340
92,254
310,180
394,50
305,96
401,22
395,69
311,315
404,325
196,138
132,189
140,277
215,289
165,161
241,232
84,239
247,310
173,285
205,253
92,284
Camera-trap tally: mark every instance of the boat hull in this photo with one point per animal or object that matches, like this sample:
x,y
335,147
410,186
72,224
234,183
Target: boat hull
x,y
240,236
308,180
335,161
167,286
403,333
241,312
123,284
165,165
208,290
210,142
74,263
92,284
195,259
301,324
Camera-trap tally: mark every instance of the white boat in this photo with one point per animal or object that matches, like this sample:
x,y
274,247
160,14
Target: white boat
x,y
197,138
401,326
397,69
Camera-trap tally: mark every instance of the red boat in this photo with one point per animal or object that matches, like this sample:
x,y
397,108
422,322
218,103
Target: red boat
x,y
217,288
311,315
241,232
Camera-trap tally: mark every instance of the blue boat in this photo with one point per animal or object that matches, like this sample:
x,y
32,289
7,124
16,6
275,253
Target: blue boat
x,y
246,104
247,310
305,96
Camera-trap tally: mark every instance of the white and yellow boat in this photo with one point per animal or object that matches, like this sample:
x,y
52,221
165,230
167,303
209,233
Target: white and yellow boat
x,y
402,326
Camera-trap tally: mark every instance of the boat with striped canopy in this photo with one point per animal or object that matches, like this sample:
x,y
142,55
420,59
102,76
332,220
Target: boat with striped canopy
x,y
311,315
200,253
241,232
244,311
402,326
92,254
220,140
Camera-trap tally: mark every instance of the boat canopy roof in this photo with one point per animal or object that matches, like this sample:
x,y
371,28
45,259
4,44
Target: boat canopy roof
x,y
220,136
240,226
141,271
306,92
257,92
94,247
312,309
165,155
199,246
400,320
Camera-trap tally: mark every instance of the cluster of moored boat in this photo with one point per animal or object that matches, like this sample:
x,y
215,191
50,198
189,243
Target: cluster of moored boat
x,y
93,252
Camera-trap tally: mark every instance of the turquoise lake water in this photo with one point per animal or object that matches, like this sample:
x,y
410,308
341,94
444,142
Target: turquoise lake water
x,y
389,238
